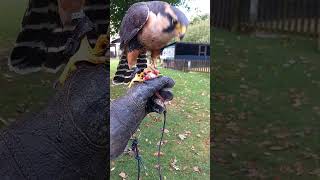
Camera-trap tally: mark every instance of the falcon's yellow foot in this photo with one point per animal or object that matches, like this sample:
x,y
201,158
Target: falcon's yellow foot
x,y
85,53
71,66
139,77
147,74
101,45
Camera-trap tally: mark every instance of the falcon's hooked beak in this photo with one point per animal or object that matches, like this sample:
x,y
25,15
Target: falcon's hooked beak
x,y
181,29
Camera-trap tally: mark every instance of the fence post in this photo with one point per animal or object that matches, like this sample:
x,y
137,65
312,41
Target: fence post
x,y
235,17
254,4
317,23
318,41
189,65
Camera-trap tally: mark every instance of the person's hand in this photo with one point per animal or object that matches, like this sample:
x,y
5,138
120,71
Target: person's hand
x,y
127,112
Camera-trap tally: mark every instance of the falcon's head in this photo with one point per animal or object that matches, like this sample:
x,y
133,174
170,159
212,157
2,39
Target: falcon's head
x,y
178,22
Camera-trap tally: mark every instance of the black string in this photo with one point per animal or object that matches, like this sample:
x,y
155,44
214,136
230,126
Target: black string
x,y
163,127
134,147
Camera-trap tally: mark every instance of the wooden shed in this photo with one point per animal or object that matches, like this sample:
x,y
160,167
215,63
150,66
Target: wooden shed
x,y
187,56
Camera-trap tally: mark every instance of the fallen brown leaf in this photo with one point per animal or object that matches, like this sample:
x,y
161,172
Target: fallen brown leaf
x,y
173,164
123,175
233,126
196,169
265,143
315,172
243,86
158,154
187,133
277,148
282,135
285,169
157,166
299,168
164,142
267,153
182,136
166,131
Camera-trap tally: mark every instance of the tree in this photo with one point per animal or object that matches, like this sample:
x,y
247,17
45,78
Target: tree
x,y
118,9
199,18
198,30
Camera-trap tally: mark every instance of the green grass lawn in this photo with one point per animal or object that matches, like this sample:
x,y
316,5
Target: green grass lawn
x,y
188,114
18,93
11,13
22,93
266,107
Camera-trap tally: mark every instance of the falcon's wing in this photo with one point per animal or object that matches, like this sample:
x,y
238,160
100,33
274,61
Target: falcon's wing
x,y
135,18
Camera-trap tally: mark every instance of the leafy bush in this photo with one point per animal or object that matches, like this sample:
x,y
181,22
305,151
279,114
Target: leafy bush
x,y
198,31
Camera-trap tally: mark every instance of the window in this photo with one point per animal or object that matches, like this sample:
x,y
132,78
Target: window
x,y
202,50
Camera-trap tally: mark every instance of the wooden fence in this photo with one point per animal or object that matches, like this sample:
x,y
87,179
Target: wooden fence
x,y
188,65
294,16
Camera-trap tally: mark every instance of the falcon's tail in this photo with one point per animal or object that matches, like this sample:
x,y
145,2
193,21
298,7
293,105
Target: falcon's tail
x,y
122,76
42,40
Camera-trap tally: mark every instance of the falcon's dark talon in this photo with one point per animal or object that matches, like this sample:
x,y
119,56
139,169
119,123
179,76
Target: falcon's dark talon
x,y
83,26
135,71
71,47
56,84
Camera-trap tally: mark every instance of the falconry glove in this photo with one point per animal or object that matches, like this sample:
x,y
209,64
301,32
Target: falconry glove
x,y
127,112
68,139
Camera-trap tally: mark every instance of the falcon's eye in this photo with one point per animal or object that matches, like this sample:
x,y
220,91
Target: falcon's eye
x,y
174,21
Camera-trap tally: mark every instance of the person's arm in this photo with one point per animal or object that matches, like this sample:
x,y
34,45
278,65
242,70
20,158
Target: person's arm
x,y
128,111
66,140
69,139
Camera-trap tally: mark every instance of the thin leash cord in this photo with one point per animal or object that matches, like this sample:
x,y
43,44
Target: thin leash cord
x,y
134,147
163,127
139,166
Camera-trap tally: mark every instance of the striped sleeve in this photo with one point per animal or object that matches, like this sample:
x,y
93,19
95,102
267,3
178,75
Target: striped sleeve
x,y
98,13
